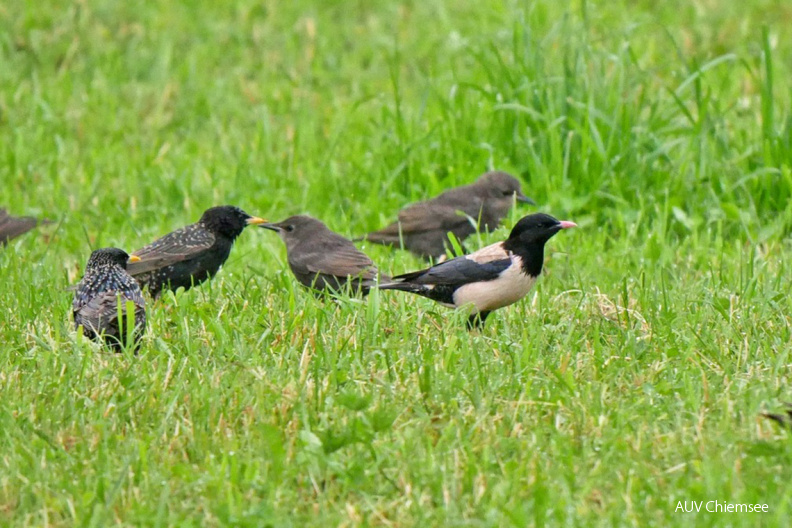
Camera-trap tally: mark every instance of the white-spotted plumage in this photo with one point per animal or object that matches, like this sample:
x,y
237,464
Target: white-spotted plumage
x,y
192,254
104,294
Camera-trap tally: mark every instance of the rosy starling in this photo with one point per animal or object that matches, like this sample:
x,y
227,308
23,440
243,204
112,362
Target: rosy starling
x,y
13,226
190,255
490,278
103,293
422,228
323,260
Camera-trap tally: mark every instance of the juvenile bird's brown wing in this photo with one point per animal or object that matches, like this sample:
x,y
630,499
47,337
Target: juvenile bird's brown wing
x,y
178,246
334,259
13,226
422,218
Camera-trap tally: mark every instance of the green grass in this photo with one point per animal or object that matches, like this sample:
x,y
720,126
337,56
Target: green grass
x,y
631,378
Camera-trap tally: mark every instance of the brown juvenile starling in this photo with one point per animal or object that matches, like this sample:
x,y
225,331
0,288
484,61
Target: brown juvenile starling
x,y
102,295
422,228
190,255
13,226
490,278
324,260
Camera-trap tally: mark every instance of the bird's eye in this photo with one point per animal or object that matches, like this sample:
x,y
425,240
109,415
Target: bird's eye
x,y
290,228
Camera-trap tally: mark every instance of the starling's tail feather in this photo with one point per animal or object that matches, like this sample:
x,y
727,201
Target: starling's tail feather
x,y
379,279
420,289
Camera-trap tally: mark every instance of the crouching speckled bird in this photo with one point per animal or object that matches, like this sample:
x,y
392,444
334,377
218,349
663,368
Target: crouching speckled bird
x,y
490,278
190,255
103,294
323,260
422,228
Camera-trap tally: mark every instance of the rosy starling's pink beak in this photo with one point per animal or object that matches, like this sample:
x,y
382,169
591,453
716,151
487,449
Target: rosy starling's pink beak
x,y
566,225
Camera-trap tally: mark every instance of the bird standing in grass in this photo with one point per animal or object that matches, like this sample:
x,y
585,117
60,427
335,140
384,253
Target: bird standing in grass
x,y
192,254
13,226
423,228
102,295
492,277
323,260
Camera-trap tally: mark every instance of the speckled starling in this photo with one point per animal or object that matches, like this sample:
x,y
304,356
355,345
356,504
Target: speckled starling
x,y
422,228
103,293
13,226
323,260
190,255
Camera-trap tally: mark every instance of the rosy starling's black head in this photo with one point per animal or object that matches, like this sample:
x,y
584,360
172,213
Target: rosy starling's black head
x,y
227,220
536,229
106,257
500,185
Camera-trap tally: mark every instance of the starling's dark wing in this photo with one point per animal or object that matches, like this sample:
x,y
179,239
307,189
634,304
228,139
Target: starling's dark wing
x,y
338,257
13,226
99,315
94,312
86,289
178,246
458,271
483,265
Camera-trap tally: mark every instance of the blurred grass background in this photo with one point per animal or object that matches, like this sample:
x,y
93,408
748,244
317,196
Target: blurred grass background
x,y
629,380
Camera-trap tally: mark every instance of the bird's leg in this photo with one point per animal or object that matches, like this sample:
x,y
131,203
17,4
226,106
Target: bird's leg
x,y
476,321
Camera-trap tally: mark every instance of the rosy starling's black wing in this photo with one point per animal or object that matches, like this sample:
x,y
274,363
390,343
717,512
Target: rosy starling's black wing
x,y
457,272
178,246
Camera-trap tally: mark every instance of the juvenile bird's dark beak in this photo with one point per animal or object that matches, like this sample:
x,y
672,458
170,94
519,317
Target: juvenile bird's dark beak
x,y
523,199
272,227
565,224
254,220
133,258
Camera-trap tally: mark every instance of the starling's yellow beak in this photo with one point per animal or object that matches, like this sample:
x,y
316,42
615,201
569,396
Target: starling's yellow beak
x,y
255,220
134,258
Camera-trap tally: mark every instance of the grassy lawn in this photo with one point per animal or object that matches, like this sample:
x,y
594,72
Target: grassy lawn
x,y
630,379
